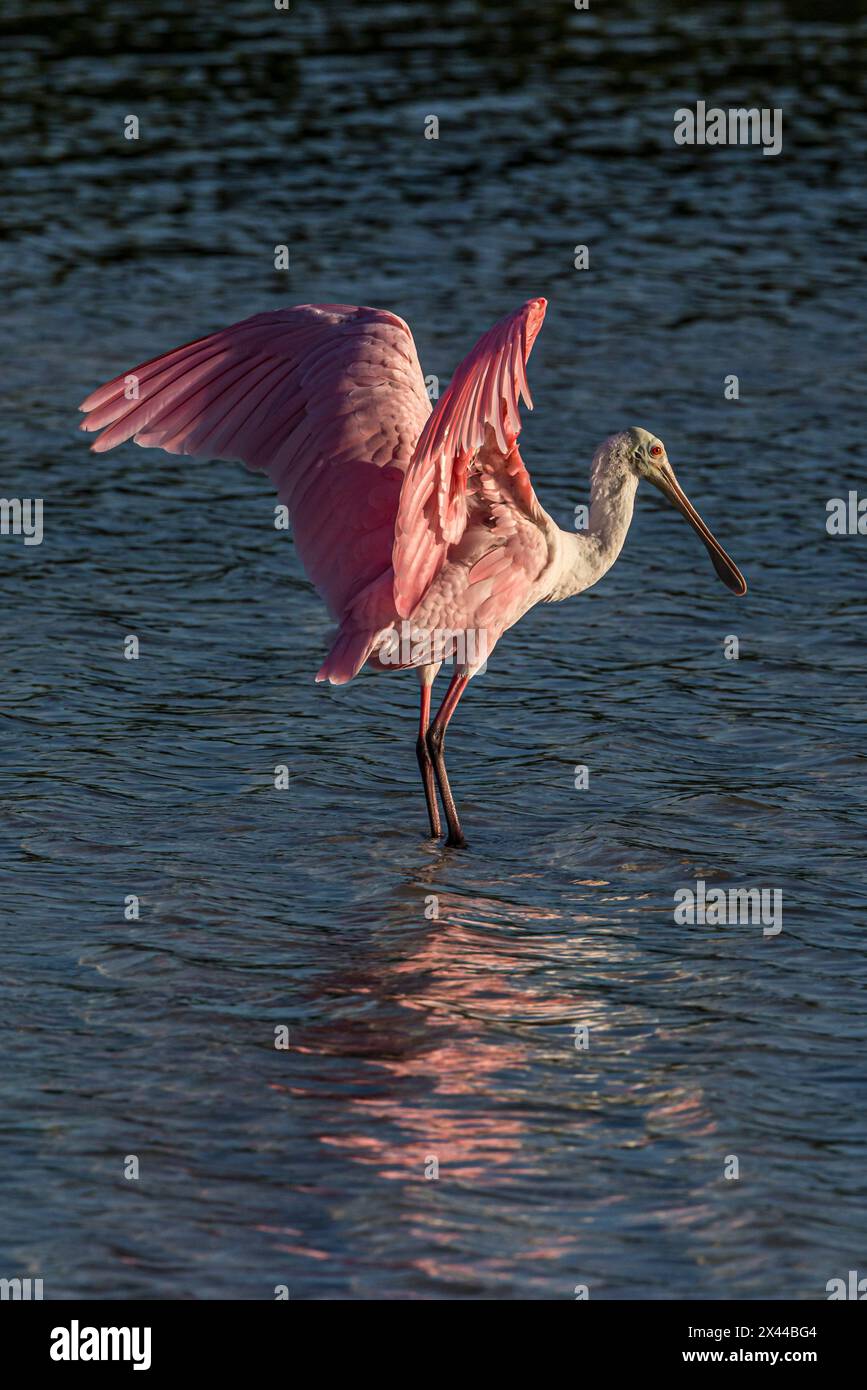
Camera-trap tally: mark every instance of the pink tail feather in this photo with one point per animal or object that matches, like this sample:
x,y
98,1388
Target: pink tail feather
x,y
349,651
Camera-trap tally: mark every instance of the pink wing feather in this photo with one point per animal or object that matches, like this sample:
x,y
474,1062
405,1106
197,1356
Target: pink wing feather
x,y
483,394
328,400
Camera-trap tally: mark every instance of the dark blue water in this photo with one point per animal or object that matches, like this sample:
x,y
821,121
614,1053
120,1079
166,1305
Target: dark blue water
x,y
412,1038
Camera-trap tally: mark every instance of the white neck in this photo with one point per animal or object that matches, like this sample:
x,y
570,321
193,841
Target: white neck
x,y
584,556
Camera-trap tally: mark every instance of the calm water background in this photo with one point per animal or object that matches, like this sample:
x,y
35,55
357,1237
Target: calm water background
x,y
412,1037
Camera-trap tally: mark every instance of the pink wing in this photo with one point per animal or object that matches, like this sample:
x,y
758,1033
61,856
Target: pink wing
x,y
328,400
483,393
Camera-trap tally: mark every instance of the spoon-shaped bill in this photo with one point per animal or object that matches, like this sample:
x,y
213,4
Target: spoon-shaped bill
x,y
722,563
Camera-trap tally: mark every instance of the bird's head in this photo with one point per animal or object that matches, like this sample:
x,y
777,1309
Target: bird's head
x,y
647,458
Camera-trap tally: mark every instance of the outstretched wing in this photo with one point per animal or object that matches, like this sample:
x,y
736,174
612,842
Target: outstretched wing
x,y
483,394
327,399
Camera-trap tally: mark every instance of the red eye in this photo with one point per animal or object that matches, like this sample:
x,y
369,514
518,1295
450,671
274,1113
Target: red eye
x,y
655,451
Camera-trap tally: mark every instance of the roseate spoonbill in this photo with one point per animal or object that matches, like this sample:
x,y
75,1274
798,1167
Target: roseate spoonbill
x,y
412,523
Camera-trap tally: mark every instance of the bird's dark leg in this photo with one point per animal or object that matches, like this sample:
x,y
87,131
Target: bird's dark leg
x,y
424,758
435,739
